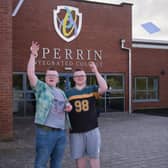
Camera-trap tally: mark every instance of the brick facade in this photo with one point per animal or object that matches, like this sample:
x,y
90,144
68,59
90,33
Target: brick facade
x,y
152,62
103,27
99,32
6,116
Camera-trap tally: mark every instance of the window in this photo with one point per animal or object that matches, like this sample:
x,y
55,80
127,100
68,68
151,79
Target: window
x,y
91,80
115,86
18,82
146,88
40,76
115,93
18,94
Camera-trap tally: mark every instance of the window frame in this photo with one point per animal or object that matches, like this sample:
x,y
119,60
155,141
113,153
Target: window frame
x,y
147,90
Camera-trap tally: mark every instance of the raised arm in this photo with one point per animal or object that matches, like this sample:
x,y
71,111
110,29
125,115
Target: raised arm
x,y
101,82
31,64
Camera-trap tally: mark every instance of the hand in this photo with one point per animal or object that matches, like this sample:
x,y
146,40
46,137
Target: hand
x,y
68,107
93,67
34,48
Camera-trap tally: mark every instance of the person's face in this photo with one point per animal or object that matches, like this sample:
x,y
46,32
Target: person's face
x,y
79,78
51,77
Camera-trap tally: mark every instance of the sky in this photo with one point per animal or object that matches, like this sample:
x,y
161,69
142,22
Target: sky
x,y
145,11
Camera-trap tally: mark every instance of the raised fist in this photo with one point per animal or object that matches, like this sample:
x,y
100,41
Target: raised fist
x,y
93,67
34,48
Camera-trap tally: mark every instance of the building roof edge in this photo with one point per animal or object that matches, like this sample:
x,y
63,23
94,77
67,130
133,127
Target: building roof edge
x,y
104,3
152,44
149,41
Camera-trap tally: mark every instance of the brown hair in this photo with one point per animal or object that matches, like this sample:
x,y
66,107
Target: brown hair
x,y
78,69
51,69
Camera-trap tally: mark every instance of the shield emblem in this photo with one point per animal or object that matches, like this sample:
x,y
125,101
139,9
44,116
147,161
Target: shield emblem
x,y
67,22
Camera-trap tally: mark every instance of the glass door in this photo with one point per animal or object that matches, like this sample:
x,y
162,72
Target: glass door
x,y
65,81
18,94
113,100
115,97
24,101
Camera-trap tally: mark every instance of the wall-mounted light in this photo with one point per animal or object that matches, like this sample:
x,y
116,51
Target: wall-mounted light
x,y
162,72
122,42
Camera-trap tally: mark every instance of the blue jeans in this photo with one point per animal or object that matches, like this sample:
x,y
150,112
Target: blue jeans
x,y
50,145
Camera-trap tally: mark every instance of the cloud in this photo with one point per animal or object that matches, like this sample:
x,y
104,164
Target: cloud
x,y
150,11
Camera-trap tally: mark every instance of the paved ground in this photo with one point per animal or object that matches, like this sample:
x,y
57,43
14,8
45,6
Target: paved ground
x,y
128,141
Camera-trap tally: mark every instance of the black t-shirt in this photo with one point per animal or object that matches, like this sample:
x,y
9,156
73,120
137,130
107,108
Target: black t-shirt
x,y
83,116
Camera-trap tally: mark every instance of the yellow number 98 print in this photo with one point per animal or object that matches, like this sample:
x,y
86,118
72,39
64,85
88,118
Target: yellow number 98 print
x,y
81,105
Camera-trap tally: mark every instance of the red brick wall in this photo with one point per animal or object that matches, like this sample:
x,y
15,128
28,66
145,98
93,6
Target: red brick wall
x,y
151,62
6,117
102,28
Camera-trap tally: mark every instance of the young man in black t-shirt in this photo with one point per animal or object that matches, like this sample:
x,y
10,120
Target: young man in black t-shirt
x,y
85,136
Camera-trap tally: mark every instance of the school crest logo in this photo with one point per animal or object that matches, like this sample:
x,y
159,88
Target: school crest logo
x,y
67,22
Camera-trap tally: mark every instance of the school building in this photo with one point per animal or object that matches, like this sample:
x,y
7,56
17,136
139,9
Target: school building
x,y
71,33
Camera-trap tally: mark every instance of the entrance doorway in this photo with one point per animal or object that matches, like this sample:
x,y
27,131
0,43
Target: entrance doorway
x,y
115,97
112,101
